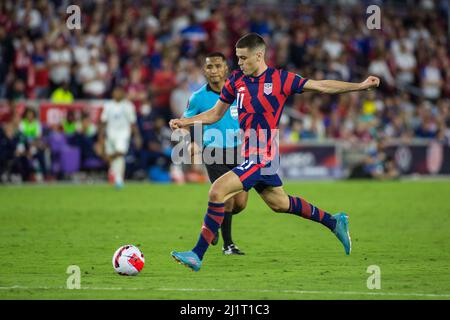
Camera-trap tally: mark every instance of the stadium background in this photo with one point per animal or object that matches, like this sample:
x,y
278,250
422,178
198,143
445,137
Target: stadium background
x,y
155,50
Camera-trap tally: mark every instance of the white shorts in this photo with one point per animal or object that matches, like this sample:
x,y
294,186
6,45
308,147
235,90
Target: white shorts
x,y
117,145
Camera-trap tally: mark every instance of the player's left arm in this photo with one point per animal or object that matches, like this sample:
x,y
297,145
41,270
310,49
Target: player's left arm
x,y
334,86
132,118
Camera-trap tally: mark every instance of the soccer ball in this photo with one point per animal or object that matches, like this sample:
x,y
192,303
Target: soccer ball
x,y
128,260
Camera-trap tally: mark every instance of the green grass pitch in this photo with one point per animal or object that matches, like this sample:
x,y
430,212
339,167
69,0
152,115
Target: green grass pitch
x,y
403,227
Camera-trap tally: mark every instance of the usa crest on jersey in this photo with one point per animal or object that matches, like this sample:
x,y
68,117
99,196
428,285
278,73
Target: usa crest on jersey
x,y
267,88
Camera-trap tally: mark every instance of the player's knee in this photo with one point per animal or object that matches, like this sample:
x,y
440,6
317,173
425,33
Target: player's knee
x,y
215,195
277,208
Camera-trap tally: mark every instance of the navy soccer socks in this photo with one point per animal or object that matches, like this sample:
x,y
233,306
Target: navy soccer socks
x,y
211,224
300,207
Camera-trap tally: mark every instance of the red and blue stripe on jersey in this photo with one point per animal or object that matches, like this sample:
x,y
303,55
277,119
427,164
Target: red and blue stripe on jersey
x,y
260,102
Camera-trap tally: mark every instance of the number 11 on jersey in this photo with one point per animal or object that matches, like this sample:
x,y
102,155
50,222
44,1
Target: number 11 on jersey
x,y
240,99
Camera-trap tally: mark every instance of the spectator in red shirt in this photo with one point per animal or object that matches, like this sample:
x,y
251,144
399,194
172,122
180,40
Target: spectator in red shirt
x,y
41,80
136,90
163,82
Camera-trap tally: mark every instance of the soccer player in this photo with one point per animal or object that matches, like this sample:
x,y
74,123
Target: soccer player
x,y
261,93
119,118
226,146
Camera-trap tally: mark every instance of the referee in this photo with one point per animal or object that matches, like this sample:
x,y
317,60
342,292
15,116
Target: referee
x,y
220,140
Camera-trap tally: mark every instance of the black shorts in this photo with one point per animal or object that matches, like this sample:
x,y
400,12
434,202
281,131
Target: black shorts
x,y
231,156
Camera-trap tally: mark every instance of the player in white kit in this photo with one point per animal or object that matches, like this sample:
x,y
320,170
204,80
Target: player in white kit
x,y
118,120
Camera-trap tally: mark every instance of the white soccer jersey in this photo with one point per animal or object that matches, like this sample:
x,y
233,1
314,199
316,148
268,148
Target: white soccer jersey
x,y
118,117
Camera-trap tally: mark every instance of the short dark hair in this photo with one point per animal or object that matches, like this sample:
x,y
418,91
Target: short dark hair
x,y
216,54
251,41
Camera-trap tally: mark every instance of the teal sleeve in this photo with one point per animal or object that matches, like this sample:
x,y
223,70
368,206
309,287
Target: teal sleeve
x,y
192,108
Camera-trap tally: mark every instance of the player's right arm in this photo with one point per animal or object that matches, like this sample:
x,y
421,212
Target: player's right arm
x,y
208,117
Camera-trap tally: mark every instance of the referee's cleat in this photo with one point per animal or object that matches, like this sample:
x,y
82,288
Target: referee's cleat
x,y
216,239
187,258
341,231
232,249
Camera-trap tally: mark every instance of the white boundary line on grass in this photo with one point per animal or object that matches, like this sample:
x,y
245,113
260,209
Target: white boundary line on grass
x,y
405,294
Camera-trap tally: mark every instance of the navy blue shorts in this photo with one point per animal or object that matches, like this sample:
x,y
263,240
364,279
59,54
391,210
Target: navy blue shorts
x,y
250,175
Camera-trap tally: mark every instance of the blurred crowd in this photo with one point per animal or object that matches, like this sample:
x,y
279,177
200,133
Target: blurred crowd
x,y
155,50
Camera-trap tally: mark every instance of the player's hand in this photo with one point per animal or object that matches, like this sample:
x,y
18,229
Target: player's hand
x,y
370,82
176,124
